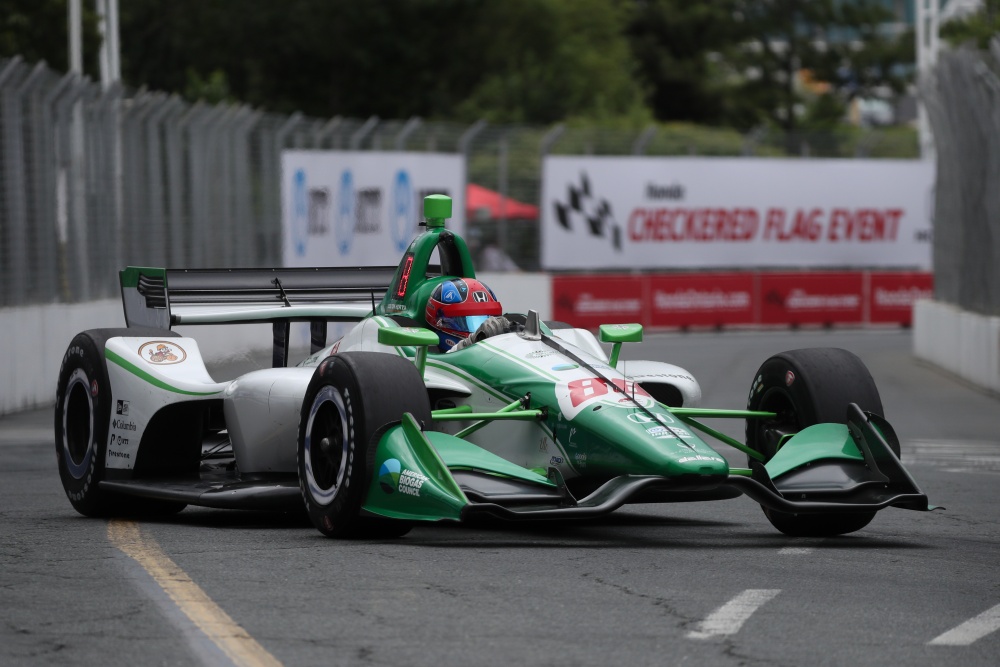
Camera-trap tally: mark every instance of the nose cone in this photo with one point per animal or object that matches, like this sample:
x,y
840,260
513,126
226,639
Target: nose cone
x,y
641,442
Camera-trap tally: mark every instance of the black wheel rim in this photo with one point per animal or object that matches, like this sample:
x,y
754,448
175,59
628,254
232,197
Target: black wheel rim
x,y
326,445
78,424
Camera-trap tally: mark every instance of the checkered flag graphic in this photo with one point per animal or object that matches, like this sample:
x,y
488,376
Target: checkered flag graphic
x,y
582,207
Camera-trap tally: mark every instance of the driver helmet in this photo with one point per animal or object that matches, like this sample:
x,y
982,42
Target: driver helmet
x,y
457,307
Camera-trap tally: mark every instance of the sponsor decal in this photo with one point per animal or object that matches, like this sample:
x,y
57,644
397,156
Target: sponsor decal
x,y
565,367
410,482
388,475
122,408
581,459
538,354
900,298
587,304
123,425
343,230
585,213
556,461
799,299
543,444
300,212
576,395
162,353
756,387
118,439
480,297
673,376
368,211
657,191
643,418
393,477
789,378
700,457
94,388
401,222
701,300
672,433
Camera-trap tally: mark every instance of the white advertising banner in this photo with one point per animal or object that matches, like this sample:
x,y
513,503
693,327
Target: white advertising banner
x,y
664,213
361,208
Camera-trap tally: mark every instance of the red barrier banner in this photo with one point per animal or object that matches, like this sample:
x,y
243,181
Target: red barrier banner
x,y
589,301
891,296
703,299
738,299
812,298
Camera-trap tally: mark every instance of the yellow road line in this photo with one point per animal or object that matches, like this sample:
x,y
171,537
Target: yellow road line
x,y
224,632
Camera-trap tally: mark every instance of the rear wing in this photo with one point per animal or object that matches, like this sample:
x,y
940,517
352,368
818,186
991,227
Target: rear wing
x,y
163,298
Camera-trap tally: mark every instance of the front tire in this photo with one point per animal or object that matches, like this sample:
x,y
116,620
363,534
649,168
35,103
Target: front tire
x,y
806,387
82,417
349,399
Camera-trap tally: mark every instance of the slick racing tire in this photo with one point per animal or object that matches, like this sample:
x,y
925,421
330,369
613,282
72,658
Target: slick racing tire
x,y
350,398
806,387
82,417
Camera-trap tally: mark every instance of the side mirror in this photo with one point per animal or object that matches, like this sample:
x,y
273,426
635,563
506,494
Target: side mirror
x,y
618,334
415,336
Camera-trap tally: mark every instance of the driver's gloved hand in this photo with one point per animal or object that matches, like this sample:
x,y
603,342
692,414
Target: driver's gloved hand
x,y
494,326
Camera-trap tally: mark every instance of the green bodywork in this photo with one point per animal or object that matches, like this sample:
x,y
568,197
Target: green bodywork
x,y
600,428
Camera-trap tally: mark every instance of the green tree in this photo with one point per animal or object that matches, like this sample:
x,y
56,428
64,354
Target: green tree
x,y
676,43
530,60
37,30
547,60
978,28
841,44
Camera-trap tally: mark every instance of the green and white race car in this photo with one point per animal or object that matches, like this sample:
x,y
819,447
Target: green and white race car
x,y
381,429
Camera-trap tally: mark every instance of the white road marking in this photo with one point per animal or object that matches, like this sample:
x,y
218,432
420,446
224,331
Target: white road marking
x,y
973,629
795,551
730,617
982,456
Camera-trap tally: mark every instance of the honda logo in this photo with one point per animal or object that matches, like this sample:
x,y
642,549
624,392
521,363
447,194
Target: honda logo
x,y
480,297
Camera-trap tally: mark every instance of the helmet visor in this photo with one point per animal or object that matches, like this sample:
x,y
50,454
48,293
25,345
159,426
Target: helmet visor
x,y
462,325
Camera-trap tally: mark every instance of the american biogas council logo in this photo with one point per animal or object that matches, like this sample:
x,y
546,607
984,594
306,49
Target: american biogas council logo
x,y
344,223
587,213
393,477
388,475
401,220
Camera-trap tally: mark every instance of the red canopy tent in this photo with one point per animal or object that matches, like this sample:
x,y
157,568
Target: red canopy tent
x,y
482,202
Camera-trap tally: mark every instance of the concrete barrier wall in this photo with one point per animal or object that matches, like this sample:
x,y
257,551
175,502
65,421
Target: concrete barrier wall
x,y
36,337
960,342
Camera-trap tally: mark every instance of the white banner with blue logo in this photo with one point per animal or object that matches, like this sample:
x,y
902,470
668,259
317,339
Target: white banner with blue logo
x,y
361,208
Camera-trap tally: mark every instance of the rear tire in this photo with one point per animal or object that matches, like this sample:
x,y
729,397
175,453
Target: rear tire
x,y
349,399
806,387
82,417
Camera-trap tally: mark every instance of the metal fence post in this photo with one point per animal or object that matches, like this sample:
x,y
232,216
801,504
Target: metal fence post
x,y
273,172
409,128
17,182
642,141
359,134
53,190
326,130
155,220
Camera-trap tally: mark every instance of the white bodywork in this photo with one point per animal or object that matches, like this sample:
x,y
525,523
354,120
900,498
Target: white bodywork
x,y
262,408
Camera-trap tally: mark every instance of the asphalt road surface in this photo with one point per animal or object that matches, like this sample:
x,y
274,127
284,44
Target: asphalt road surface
x,y
686,584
